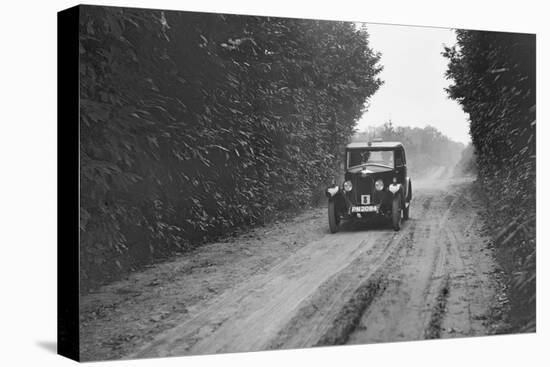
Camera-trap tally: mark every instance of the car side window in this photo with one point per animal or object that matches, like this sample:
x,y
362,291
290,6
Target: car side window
x,y
399,158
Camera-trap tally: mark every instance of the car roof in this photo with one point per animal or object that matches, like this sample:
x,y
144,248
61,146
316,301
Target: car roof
x,y
375,144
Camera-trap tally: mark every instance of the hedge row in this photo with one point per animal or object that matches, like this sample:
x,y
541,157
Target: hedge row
x,y
494,81
193,124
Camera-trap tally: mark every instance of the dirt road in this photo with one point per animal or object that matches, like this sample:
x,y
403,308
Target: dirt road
x,y
292,284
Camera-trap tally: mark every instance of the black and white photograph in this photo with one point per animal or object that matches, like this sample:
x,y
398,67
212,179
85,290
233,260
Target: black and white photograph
x,y
288,183
251,183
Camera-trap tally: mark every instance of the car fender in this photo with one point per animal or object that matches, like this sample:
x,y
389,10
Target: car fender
x,y
408,189
400,190
332,191
336,194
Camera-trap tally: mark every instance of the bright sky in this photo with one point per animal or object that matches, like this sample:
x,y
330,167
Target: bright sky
x,y
413,92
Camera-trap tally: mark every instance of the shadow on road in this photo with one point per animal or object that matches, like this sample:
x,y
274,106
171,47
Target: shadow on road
x,y
374,225
50,346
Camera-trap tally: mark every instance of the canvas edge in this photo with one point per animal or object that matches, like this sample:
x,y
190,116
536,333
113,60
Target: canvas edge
x,y
68,185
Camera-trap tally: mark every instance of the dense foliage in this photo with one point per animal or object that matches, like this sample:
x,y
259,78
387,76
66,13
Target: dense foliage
x,y
426,148
193,124
467,164
494,81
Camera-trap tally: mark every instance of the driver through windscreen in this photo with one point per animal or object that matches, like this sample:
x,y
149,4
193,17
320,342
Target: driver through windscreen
x,y
360,157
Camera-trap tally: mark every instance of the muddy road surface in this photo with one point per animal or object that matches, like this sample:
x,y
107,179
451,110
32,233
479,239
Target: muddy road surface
x,y
293,284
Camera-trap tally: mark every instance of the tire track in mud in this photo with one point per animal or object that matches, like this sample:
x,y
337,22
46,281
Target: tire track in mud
x,y
247,317
333,312
414,303
455,269
472,281
433,331
439,285
252,316
329,314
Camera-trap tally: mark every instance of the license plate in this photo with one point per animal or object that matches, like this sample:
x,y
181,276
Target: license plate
x,y
363,209
365,199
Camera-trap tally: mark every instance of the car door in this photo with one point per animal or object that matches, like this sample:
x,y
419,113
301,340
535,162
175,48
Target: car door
x,y
400,166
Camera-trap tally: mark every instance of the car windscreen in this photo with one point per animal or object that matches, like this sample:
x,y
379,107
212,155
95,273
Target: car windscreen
x,y
358,157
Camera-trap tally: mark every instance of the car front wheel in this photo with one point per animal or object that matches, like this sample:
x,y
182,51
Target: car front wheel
x,y
406,211
396,213
332,218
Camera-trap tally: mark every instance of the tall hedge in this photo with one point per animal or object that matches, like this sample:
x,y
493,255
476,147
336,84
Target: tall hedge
x,y
494,81
193,124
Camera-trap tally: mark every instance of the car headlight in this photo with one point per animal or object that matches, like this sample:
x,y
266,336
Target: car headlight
x,y
348,186
379,185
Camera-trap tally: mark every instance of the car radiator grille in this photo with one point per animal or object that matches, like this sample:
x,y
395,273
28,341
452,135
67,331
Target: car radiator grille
x,y
363,186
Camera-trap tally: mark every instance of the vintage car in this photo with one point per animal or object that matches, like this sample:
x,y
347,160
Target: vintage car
x,y
375,184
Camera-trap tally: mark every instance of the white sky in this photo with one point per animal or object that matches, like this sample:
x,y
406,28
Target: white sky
x,y
413,92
